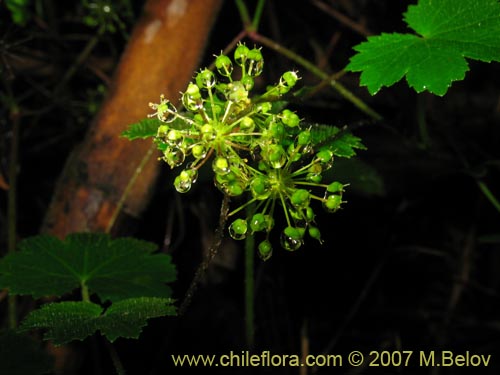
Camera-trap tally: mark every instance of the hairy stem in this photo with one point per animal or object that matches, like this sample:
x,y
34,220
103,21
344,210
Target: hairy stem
x,y
128,188
214,248
249,291
348,95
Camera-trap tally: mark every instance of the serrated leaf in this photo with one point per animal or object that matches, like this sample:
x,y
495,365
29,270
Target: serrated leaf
x,y
15,349
146,128
342,143
67,321
127,318
449,31
114,269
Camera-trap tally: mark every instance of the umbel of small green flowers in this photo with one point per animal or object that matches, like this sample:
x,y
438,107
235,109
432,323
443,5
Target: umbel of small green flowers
x,y
252,147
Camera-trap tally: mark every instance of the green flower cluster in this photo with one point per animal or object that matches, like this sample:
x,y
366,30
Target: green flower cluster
x,y
253,146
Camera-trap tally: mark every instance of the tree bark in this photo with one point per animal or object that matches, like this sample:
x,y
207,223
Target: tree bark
x,y
161,56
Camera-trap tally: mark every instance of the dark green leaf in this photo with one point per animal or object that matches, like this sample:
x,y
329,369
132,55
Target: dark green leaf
x,y
360,177
68,321
449,31
145,128
342,143
114,269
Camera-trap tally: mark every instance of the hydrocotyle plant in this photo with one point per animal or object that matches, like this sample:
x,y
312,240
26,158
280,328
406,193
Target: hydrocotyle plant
x,y
257,148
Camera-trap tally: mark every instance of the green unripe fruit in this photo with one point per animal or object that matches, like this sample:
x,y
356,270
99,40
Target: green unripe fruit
x,y
238,229
236,92
221,166
199,151
265,250
247,124
290,118
235,188
290,78
314,233
291,238
224,65
205,79
258,222
309,214
325,156
247,82
260,188
276,156
300,198
332,202
241,54
335,187
256,62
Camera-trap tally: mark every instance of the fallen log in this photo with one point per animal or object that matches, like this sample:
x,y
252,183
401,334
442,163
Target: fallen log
x,y
161,56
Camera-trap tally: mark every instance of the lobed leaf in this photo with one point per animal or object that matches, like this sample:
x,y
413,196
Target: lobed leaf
x,y
146,128
449,32
68,321
342,143
114,269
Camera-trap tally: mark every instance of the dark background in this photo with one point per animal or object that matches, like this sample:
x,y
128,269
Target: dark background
x,y
411,262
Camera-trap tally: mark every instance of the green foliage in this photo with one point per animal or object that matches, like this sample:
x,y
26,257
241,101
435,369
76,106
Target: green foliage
x,y
114,269
258,148
146,128
18,11
21,355
449,31
68,321
340,142
362,178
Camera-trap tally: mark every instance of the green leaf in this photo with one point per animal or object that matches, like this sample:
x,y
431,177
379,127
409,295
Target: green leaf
x,y
146,128
449,31
19,11
342,143
21,355
68,321
114,269
126,318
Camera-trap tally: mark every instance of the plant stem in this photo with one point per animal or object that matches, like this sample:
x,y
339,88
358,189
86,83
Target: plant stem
x,y
425,139
120,370
129,186
348,95
212,252
249,291
85,292
489,195
257,15
244,15
79,60
12,203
